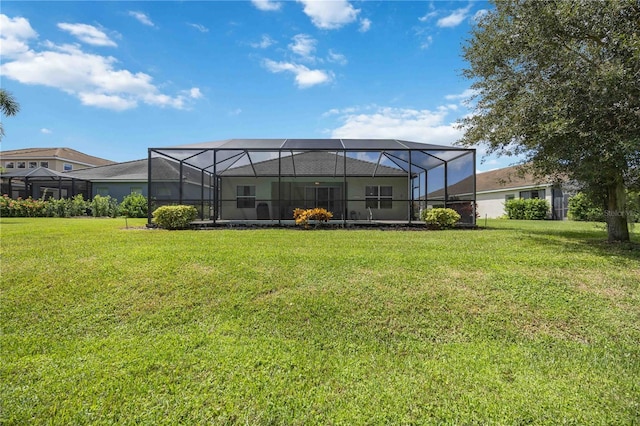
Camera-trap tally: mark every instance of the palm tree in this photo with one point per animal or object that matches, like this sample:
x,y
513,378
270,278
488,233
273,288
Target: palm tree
x,y
8,105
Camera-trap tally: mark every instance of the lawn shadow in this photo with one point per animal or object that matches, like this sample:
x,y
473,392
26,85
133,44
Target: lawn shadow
x,y
585,241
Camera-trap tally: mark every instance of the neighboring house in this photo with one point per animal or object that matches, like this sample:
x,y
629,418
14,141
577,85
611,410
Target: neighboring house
x,y
495,187
116,180
121,179
355,179
58,159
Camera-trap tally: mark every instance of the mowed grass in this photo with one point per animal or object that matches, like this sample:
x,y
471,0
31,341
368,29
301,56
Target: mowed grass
x,y
519,323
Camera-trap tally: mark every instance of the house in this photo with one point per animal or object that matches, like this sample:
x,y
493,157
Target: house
x,y
116,180
121,179
355,179
37,172
58,159
494,188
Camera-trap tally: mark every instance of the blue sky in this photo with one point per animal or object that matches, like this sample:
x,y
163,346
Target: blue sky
x,y
114,78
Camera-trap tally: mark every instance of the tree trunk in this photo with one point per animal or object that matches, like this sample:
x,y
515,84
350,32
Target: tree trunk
x,y
615,214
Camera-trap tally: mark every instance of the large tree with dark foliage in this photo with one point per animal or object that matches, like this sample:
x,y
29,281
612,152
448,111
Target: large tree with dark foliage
x,y
558,83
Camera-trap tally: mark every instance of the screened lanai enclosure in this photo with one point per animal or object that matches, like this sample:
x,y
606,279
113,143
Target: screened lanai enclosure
x,y
358,180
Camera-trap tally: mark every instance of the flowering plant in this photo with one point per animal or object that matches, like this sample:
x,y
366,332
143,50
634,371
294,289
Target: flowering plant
x,y
303,216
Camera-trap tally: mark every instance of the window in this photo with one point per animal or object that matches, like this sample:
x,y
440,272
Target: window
x,y
8,165
67,167
136,190
44,164
102,191
509,197
22,165
33,164
245,196
536,193
378,197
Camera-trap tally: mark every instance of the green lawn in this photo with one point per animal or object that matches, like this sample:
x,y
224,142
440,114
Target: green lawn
x,y
519,323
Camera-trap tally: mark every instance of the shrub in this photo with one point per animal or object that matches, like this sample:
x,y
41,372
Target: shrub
x,y
5,201
174,217
440,217
583,209
527,209
303,216
57,208
77,206
103,206
134,205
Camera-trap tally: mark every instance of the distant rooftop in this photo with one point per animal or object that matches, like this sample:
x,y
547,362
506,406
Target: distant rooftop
x,y
54,153
507,178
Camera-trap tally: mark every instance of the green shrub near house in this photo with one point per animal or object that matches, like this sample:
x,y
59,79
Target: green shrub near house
x,y
29,207
134,205
583,209
440,218
104,206
527,209
174,217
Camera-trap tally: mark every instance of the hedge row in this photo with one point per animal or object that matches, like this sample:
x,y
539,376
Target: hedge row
x,y
527,209
133,205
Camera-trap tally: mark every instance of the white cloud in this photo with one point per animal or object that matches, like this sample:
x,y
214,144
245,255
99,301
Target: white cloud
x,y
426,43
142,18
464,96
199,27
365,25
88,34
102,100
428,16
304,76
94,79
264,42
337,58
329,15
303,46
267,5
455,18
15,34
399,123
195,93
46,131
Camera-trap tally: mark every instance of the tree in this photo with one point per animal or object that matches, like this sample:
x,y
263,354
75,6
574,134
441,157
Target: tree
x,y
9,107
558,82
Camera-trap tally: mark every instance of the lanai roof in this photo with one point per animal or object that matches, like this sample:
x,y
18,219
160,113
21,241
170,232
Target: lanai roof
x,y
232,153
316,144
37,173
314,163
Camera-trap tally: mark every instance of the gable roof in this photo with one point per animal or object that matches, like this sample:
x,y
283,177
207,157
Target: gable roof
x,y
128,171
508,178
136,171
54,153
